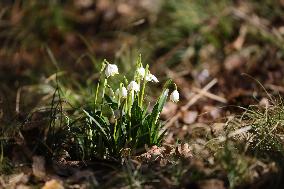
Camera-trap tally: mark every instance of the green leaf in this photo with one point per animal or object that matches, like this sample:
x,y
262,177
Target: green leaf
x,y
111,103
101,129
159,106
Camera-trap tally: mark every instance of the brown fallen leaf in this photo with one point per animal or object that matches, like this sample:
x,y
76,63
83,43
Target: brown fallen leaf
x,y
12,181
218,129
233,62
203,76
156,151
21,186
83,176
189,117
211,184
16,179
83,3
239,42
125,9
53,184
39,166
213,111
264,102
153,154
169,110
184,150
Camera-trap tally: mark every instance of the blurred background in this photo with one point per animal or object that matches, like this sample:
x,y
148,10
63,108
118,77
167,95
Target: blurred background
x,y
189,41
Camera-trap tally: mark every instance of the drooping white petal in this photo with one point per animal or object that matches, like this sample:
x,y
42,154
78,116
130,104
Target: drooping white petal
x,y
111,70
117,92
123,92
151,77
141,72
174,96
133,86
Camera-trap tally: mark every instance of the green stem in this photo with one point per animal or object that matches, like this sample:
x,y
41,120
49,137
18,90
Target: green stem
x,y
98,86
103,94
130,101
142,91
104,89
119,95
97,91
114,131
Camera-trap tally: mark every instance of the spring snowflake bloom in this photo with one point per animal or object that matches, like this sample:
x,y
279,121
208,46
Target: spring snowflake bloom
x,y
111,70
133,86
122,92
117,92
151,77
174,96
141,72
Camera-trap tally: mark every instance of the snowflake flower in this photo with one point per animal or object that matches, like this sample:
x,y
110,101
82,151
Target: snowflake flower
x,y
151,77
133,86
111,70
122,93
174,96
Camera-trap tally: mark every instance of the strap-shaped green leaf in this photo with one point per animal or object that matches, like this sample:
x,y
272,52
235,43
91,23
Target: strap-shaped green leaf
x,y
101,129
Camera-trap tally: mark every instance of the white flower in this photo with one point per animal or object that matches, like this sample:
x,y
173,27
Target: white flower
x,y
133,86
111,70
151,77
121,92
174,96
141,71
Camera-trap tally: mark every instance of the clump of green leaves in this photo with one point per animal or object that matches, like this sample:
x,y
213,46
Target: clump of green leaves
x,y
118,123
122,120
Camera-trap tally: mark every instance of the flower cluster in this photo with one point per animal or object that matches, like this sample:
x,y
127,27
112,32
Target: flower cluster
x,y
135,85
148,76
120,119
